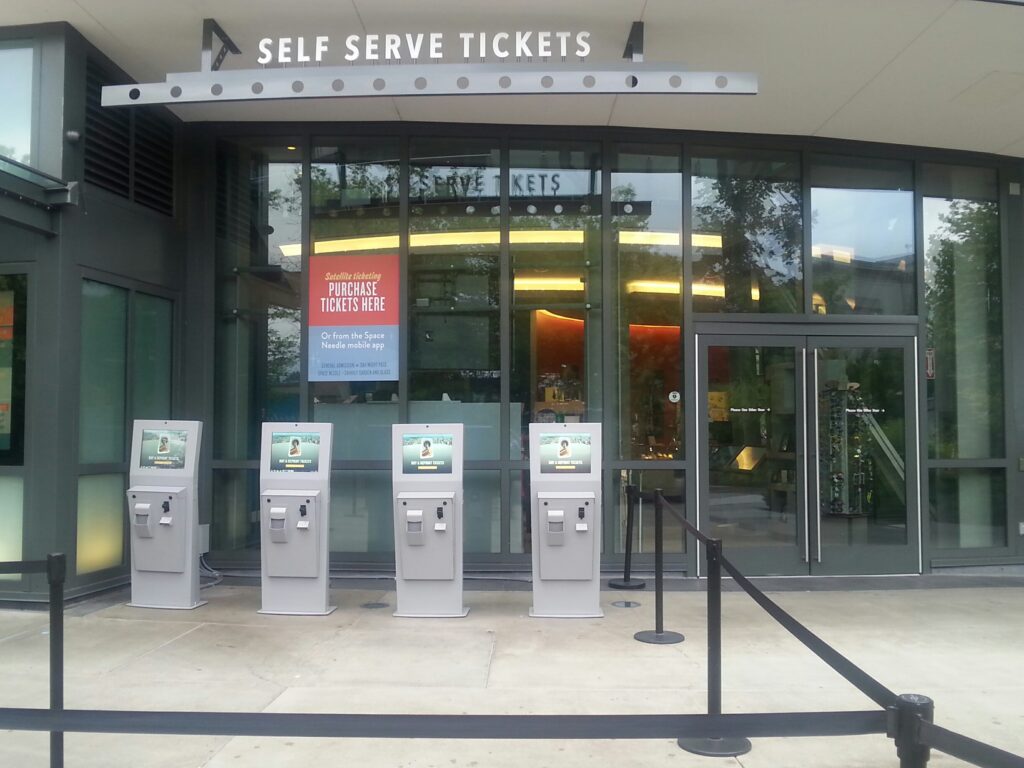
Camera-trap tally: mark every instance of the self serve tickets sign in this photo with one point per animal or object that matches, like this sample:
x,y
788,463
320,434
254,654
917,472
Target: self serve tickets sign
x,y
353,318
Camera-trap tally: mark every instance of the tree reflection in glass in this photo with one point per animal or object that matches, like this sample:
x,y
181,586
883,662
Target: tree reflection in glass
x,y
747,232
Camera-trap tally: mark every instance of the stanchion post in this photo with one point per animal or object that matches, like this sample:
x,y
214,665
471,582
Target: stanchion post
x,y
626,582
659,636
715,746
906,716
56,571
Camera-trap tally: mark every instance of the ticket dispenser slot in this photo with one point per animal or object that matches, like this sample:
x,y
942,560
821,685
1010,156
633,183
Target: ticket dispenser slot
x,y
158,528
141,519
556,526
291,536
568,532
430,550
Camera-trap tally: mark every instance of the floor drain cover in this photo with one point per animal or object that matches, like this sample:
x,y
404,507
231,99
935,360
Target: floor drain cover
x,y
374,605
626,604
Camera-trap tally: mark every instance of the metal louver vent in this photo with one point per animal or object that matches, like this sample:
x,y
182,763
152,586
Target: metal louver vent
x,y
127,152
153,166
107,137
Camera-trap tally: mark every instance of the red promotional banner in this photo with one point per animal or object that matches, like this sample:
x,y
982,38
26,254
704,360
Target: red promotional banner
x,y
353,318
353,290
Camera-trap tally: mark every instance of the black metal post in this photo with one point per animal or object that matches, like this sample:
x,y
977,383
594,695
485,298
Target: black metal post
x,y
626,582
659,636
715,746
910,709
56,571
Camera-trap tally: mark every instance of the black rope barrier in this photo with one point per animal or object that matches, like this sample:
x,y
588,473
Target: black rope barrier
x,y
627,582
55,568
965,748
853,674
659,636
380,726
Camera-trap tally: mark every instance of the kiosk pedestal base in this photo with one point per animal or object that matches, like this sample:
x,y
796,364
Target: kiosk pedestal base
x,y
328,612
464,614
168,607
536,615
731,747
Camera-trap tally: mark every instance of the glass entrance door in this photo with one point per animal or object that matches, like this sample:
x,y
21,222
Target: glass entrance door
x,y
808,453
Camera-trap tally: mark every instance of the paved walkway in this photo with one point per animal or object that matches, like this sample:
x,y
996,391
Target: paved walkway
x,y
964,647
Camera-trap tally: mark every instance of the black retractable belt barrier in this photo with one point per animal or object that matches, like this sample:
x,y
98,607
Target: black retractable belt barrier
x,y
715,746
388,726
659,636
853,674
626,582
56,571
55,568
966,748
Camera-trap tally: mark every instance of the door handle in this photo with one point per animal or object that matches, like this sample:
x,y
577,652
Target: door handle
x,y
806,464
816,467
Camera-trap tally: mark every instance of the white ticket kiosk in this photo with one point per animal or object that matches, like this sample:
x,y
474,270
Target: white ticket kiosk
x,y
427,482
565,508
162,517
295,520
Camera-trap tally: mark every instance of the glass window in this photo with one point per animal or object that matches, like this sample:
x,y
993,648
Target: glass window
x,y
555,242
11,521
964,310
747,231
361,512
152,337
862,236
968,507
235,526
101,409
482,511
259,272
355,232
454,335
673,486
13,307
519,522
100,523
16,79
647,186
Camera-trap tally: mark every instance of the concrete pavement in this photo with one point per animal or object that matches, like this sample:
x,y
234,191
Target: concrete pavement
x,y
961,646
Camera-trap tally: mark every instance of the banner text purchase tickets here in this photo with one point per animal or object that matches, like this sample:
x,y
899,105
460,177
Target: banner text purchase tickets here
x,y
347,292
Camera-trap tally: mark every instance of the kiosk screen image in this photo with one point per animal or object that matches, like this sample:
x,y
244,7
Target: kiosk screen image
x,y
163,449
294,451
427,453
565,453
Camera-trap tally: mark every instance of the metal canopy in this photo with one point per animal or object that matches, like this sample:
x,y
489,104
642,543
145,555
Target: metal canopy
x,y
425,80
211,84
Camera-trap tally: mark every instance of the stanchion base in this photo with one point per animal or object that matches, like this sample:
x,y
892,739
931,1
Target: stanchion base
x,y
730,747
658,638
626,584
626,604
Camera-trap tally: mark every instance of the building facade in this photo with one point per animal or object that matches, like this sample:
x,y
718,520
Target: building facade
x,y
807,342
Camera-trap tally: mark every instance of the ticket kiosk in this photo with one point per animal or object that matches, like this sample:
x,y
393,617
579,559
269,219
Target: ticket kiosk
x,y
427,482
162,517
565,508
295,504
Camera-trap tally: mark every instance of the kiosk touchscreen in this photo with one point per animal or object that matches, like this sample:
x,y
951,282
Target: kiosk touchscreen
x,y
295,504
565,508
427,482
162,514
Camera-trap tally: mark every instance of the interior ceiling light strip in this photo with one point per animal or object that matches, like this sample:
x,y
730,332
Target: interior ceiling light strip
x,y
426,80
548,284
492,237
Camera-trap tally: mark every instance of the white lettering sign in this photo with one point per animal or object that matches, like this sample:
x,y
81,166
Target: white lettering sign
x,y
372,47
